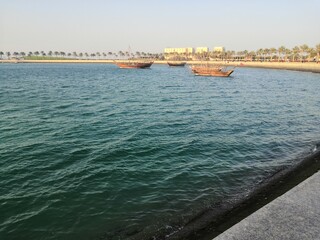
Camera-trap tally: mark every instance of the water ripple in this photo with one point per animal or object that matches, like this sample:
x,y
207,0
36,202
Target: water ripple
x,y
91,151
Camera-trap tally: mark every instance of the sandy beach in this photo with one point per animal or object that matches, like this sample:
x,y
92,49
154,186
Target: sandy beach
x,y
296,66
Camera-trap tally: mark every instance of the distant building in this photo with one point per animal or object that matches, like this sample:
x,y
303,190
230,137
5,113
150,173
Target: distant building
x,y
188,50
191,50
202,50
219,49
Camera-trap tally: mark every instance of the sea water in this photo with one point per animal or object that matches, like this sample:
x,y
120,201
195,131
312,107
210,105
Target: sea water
x,y
93,151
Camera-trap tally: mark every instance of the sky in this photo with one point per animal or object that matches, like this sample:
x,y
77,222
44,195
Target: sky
x,y
152,25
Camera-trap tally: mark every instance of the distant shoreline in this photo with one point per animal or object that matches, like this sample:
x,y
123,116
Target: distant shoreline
x,y
296,66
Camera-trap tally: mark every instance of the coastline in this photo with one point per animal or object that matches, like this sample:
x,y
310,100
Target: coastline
x,y
295,66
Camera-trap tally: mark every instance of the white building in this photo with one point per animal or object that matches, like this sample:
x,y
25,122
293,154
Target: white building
x,y
202,49
219,49
188,50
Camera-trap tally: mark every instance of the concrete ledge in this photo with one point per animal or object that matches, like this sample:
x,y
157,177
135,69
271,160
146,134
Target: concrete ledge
x,y
294,216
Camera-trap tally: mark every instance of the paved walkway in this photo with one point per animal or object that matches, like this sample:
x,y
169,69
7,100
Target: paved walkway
x,y
294,216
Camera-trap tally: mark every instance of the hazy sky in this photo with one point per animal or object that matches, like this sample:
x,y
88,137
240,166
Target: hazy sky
x,y
151,25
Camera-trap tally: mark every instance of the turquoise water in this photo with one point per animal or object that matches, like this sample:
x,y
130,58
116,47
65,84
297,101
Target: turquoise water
x,y
93,151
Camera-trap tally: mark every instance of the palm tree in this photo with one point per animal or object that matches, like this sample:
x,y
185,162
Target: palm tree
x,y
238,55
267,52
231,54
23,54
304,49
311,53
8,55
273,51
260,53
50,53
1,54
287,53
318,51
251,55
281,50
245,54
15,54
121,54
295,53
161,56
80,55
56,53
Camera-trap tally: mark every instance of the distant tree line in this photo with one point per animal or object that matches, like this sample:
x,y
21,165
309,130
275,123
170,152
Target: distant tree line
x,y
79,55
298,53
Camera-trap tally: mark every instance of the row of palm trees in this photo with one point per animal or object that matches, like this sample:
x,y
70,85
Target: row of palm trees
x,y
80,55
298,53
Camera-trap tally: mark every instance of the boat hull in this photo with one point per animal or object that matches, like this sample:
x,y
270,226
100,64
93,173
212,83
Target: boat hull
x,y
134,64
212,72
176,64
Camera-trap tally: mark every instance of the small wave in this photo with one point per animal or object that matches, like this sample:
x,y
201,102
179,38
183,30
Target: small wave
x,y
90,140
316,148
171,86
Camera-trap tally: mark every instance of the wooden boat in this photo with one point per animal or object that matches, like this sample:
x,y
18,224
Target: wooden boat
x,y
134,64
176,63
213,71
